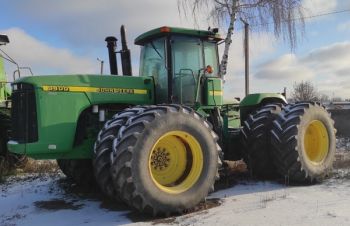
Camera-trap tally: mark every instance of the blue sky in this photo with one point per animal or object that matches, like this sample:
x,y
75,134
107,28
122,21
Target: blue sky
x,y
55,37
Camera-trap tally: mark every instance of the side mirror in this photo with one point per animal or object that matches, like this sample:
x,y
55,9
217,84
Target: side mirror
x,y
4,39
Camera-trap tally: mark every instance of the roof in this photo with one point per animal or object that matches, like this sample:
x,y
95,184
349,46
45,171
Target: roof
x,y
165,30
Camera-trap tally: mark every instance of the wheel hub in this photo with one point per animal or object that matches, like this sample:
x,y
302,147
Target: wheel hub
x,y
175,162
160,159
316,142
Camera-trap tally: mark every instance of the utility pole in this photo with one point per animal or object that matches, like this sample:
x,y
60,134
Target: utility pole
x,y
246,55
102,62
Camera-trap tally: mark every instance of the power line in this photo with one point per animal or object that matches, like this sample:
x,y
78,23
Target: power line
x,y
305,17
325,14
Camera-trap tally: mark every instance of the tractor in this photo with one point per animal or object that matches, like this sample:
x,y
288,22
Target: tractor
x,y
7,160
158,141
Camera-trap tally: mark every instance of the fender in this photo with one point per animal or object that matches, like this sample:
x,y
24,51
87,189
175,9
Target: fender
x,y
253,101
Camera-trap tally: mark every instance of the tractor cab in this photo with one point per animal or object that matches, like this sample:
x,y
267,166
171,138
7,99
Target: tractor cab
x,y
184,64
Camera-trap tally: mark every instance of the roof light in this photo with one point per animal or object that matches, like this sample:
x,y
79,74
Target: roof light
x,y
4,39
165,29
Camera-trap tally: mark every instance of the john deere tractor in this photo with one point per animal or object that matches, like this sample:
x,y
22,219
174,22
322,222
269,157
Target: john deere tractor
x,y
157,141
7,160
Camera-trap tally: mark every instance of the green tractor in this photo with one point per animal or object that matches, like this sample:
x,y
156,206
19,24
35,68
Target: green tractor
x,y
157,141
7,159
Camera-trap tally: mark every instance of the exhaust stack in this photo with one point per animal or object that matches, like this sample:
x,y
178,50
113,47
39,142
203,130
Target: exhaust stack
x,y
125,53
112,46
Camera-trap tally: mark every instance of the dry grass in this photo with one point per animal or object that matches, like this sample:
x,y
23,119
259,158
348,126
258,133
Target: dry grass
x,y
30,166
39,166
234,167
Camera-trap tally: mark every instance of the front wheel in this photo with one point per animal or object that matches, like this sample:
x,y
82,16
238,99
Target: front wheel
x,y
165,160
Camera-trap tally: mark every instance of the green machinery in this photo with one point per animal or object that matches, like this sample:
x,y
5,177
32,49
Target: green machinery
x,y
158,141
5,92
7,160
4,113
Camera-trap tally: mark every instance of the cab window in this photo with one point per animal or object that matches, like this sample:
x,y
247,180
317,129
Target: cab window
x,y
211,57
152,63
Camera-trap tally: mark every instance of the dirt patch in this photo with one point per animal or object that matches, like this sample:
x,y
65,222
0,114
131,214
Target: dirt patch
x,y
342,160
57,204
71,188
203,206
208,204
169,220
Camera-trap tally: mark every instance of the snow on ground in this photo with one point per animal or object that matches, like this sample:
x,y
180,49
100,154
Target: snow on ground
x,y
274,204
34,200
43,200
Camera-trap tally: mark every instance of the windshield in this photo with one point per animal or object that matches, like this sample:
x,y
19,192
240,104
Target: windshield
x,y
152,63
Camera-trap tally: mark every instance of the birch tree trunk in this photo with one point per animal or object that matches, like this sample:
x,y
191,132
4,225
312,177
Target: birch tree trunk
x,y
228,39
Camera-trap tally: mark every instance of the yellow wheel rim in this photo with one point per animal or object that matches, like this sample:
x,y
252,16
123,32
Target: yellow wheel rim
x,y
316,142
175,162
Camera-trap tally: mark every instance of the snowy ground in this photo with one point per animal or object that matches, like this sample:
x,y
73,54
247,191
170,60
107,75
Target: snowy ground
x,y
34,200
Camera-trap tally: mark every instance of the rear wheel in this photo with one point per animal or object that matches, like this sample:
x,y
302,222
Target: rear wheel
x,y
79,170
165,160
303,139
256,141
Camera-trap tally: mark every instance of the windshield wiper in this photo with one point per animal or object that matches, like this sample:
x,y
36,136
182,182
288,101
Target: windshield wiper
x,y
153,46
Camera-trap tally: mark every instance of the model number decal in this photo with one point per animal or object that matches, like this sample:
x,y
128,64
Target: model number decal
x,y
93,89
56,88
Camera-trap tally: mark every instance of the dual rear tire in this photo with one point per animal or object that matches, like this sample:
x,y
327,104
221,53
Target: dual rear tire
x,y
304,143
296,141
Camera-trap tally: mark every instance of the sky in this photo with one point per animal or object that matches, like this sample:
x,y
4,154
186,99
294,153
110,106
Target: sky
x,y
67,37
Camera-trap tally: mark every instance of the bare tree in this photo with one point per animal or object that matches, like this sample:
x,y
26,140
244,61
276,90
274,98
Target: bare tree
x,y
304,91
323,98
282,15
337,99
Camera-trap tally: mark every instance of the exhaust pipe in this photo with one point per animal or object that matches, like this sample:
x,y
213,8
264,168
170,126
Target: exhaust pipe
x,y
125,53
112,46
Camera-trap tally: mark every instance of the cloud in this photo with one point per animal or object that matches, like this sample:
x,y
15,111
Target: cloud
x,y
43,58
287,67
85,22
327,67
329,58
314,7
344,26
